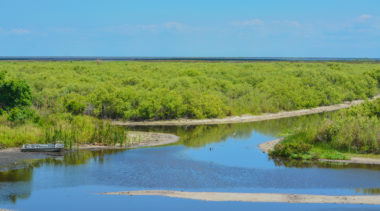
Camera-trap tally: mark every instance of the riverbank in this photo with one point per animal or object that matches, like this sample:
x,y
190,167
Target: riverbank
x,y
12,158
255,197
244,118
269,145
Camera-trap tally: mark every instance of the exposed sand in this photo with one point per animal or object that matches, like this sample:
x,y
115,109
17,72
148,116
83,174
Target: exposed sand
x,y
358,160
255,197
269,145
244,118
12,158
138,139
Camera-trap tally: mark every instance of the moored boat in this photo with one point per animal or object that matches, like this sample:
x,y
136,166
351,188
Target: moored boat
x,y
42,148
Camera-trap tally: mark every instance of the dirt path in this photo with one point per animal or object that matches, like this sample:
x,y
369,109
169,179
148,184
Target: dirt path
x,y
255,197
12,158
244,118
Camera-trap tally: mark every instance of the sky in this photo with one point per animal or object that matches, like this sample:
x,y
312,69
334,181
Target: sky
x,y
192,28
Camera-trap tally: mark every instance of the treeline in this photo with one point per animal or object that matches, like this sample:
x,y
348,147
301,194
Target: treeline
x,y
169,90
353,130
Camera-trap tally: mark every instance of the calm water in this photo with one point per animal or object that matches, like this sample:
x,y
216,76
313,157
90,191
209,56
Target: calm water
x,y
208,158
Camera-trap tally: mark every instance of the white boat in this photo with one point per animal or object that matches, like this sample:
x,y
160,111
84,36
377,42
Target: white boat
x,y
42,148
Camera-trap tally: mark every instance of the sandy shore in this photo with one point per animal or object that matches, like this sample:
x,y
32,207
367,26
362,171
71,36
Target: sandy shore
x,y
244,118
138,139
269,145
255,197
11,158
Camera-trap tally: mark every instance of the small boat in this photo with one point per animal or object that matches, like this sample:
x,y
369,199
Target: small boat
x,y
42,148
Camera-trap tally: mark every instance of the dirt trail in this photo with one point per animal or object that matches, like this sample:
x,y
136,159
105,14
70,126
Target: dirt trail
x,y
255,197
244,118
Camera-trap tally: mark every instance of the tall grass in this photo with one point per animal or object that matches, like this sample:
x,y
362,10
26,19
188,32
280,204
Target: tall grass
x,y
65,128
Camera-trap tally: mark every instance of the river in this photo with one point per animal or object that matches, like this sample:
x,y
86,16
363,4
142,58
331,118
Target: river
x,y
222,158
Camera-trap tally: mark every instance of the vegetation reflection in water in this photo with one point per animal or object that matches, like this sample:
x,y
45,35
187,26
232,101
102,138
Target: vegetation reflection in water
x,y
202,135
21,178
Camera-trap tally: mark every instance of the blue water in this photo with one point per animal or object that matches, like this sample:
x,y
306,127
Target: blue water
x,y
233,152
234,164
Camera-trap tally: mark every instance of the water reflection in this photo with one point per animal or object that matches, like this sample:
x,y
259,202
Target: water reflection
x,y
16,184
291,163
368,191
202,135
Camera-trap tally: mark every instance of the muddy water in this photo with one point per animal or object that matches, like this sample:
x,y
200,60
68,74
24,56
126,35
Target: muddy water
x,y
208,158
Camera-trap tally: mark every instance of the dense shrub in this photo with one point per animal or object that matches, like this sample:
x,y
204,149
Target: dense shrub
x,y
20,115
169,90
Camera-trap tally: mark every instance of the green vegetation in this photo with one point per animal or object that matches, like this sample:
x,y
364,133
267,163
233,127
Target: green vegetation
x,y
43,102
169,90
351,131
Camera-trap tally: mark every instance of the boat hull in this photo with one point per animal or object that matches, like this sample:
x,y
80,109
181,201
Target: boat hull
x,y
42,148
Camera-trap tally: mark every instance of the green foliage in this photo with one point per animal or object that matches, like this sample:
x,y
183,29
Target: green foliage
x,y
20,115
75,104
295,150
169,90
14,93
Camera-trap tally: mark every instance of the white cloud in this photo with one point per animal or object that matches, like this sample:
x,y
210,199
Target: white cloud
x,y
252,22
19,31
292,23
364,17
63,29
155,28
175,25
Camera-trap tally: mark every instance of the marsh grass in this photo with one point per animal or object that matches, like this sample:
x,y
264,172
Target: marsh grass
x,y
62,128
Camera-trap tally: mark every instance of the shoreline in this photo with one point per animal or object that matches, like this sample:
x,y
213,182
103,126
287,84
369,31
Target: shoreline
x,y
243,118
12,158
255,197
269,145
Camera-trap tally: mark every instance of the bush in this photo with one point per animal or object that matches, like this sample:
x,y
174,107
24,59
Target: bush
x,y
20,115
295,150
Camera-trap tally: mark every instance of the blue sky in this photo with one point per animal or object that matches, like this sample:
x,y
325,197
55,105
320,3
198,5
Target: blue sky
x,y
249,28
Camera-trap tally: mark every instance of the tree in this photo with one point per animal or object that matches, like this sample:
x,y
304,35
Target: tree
x,y
14,93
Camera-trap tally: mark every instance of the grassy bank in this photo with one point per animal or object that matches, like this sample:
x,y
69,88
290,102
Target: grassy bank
x,y
352,131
